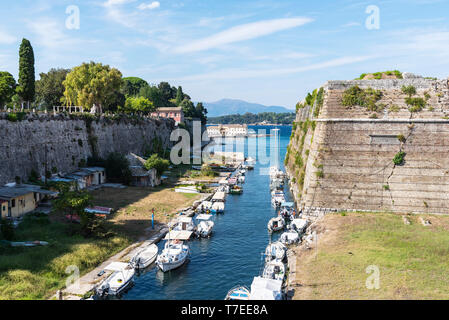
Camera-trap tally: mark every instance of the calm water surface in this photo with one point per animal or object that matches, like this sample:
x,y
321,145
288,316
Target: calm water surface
x,y
232,256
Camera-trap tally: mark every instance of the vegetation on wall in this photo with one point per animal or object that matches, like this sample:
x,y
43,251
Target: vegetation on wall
x,y
399,158
378,75
368,98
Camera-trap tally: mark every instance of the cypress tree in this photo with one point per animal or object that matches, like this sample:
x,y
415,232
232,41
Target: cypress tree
x,y
26,88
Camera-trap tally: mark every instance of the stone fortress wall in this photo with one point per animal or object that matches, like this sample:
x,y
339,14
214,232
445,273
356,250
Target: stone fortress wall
x,y
346,155
63,142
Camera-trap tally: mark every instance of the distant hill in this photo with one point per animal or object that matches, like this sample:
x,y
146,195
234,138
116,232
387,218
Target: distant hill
x,y
231,106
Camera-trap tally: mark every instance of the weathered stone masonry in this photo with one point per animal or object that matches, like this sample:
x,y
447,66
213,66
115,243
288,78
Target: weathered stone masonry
x,y
348,157
62,142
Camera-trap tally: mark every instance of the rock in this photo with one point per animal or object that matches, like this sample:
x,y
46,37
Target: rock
x,y
408,75
406,220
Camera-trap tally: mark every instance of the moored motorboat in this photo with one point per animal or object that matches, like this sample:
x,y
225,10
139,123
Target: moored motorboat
x,y
173,256
266,289
277,198
276,224
275,251
145,257
236,190
289,237
238,293
118,281
218,207
275,270
184,224
241,179
299,225
205,226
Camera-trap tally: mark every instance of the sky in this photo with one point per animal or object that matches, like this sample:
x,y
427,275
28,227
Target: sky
x,y
266,51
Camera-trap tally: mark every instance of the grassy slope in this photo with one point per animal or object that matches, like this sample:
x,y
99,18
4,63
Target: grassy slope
x,y
412,258
36,273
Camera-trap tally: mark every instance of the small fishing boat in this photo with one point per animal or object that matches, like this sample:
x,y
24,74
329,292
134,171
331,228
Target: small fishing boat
x,y
185,224
251,161
299,225
218,207
289,237
241,179
205,206
118,281
266,289
238,293
145,257
288,211
205,226
275,251
276,184
275,270
173,256
277,198
242,172
276,224
236,190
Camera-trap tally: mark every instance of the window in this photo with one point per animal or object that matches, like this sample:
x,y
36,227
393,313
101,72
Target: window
x,y
13,203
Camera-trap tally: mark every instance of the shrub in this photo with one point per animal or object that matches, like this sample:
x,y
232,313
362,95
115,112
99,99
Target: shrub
x,y
399,158
416,104
401,138
386,187
394,108
355,96
319,174
157,163
117,168
409,90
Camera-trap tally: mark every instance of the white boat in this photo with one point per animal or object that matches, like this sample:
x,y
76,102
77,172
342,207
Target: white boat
x,y
118,281
276,224
289,237
145,257
205,226
266,289
173,256
277,198
275,251
238,293
251,161
185,224
241,179
275,270
218,207
242,172
204,206
299,225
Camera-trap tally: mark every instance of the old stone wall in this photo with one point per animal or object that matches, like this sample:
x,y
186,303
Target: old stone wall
x,y
347,157
59,143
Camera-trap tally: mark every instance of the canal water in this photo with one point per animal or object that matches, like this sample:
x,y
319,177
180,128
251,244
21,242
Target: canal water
x,y
233,255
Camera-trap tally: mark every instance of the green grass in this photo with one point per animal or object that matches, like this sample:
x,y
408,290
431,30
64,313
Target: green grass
x,y
412,259
37,272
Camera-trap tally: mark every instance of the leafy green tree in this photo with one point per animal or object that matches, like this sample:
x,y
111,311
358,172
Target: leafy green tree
x,y
73,203
157,163
132,86
50,88
7,87
153,94
179,96
188,108
138,104
92,83
26,87
201,112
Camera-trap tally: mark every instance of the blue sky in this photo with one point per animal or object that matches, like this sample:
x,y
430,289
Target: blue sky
x,y
269,52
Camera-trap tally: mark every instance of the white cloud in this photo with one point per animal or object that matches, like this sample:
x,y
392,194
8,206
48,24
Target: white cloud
x,y
6,38
111,3
351,24
242,33
149,6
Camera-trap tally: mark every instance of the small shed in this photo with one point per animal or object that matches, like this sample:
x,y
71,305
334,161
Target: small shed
x,y
140,176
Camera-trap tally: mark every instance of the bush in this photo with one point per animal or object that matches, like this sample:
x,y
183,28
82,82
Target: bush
x,y
409,90
416,104
399,158
401,138
157,163
355,96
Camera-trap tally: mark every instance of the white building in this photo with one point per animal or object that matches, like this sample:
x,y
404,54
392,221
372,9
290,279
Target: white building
x,y
229,130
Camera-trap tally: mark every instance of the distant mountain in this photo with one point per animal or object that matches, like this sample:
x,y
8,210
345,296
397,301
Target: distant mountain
x,y
230,106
